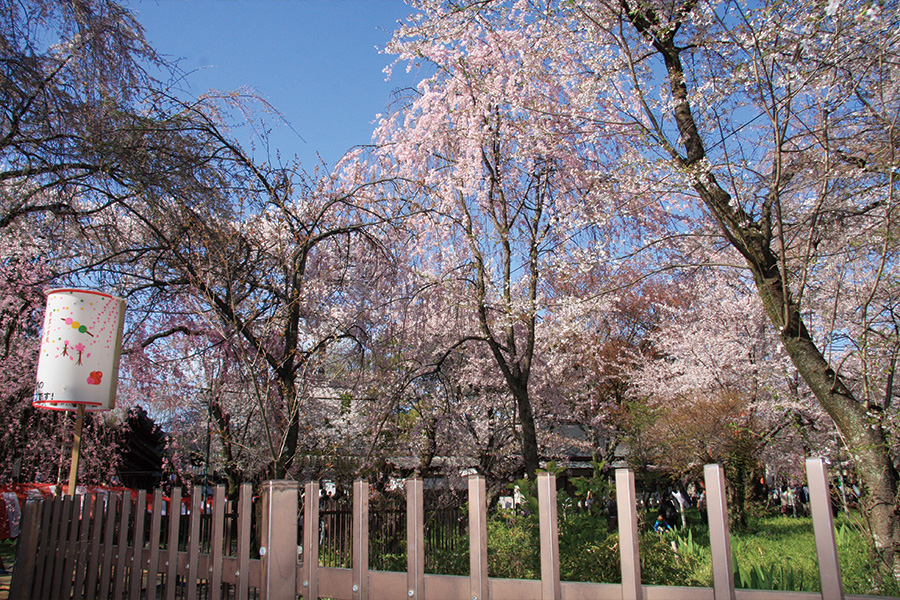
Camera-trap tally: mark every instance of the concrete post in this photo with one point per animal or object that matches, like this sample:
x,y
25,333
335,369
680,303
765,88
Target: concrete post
x,y
478,562
626,507
415,538
823,527
310,571
549,526
278,540
719,533
360,540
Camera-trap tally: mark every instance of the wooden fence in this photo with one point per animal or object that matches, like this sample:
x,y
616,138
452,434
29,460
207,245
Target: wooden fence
x,y
91,547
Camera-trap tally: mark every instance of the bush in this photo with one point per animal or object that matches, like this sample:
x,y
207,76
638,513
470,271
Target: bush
x,y
595,561
513,546
661,563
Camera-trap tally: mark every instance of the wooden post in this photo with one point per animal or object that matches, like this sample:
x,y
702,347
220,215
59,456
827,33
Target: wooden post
x,y
153,547
629,552
83,545
217,538
193,554
823,527
121,554
551,588
76,449
172,545
60,544
278,542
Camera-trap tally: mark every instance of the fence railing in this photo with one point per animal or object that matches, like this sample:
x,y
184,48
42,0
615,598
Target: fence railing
x,y
91,547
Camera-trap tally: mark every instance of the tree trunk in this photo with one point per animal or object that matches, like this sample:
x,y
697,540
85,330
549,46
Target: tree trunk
x,y
291,433
751,236
864,437
529,432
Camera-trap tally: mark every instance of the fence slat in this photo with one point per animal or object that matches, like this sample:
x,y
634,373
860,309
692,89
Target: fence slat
x,y
310,571
278,540
719,533
87,505
122,547
823,528
193,562
137,552
46,542
242,576
217,539
93,562
172,544
109,518
415,538
629,550
59,557
71,546
153,544
360,544
478,560
26,551
549,531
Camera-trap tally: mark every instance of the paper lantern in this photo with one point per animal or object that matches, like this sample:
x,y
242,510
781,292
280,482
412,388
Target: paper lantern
x,y
80,348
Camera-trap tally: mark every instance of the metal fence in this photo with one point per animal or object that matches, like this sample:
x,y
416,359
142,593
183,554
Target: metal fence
x,y
158,548
445,531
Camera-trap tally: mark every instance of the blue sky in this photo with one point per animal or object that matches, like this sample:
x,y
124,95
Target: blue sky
x,y
316,61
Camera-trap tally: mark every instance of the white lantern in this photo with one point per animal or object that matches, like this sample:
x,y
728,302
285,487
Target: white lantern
x,y
80,349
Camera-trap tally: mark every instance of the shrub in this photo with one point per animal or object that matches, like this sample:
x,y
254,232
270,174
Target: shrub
x,y
661,564
513,546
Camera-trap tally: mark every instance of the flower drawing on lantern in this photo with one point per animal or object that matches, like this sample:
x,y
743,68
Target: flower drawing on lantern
x,y
79,347
95,377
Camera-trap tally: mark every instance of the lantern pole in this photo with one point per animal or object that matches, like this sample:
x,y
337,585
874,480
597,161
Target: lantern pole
x,y
79,360
76,449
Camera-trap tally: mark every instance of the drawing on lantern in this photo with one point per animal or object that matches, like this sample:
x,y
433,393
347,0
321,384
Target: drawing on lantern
x,y
76,325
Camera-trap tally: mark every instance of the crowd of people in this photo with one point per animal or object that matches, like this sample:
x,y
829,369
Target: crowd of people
x,y
791,500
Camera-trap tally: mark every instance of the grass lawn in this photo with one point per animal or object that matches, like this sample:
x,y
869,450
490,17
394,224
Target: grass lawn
x,y
779,552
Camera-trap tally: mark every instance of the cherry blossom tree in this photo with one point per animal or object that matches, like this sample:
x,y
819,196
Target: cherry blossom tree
x,y
503,174
78,107
597,343
142,191
448,407
718,387
766,126
276,268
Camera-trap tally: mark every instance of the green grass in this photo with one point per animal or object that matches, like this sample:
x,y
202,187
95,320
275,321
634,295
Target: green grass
x,y
779,552
772,553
